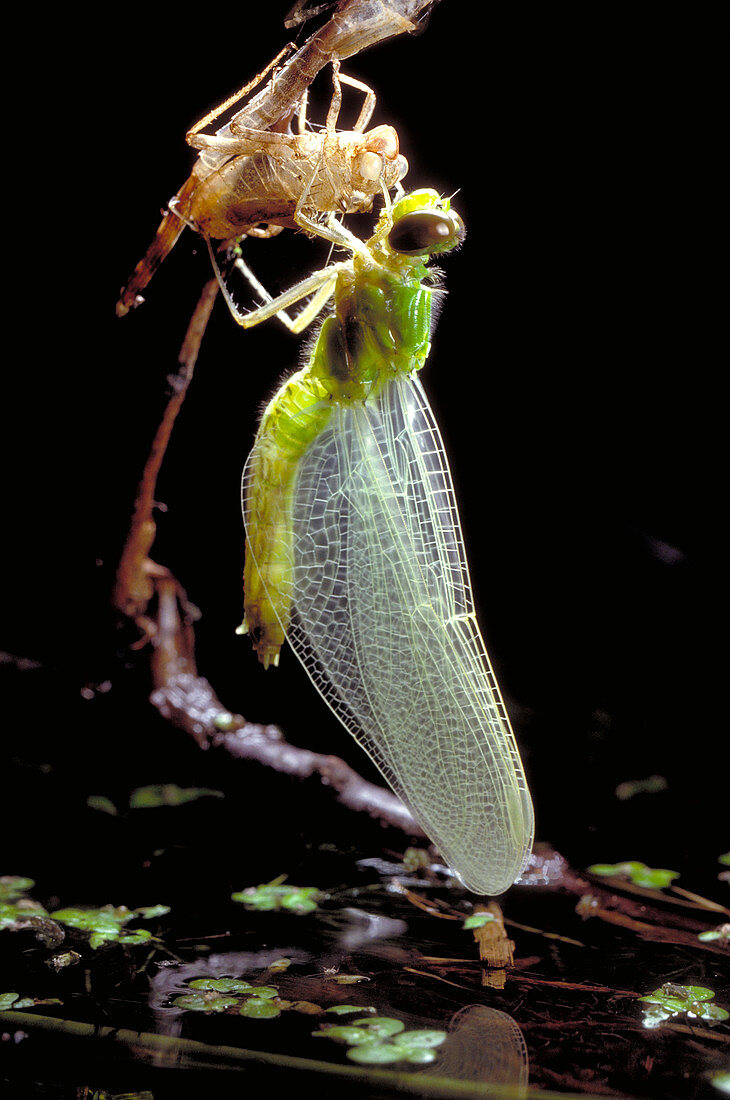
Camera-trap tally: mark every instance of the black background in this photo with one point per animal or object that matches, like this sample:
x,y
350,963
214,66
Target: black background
x,y
573,374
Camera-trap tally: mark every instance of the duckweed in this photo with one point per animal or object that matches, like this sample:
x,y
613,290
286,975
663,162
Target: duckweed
x,y
477,920
675,1000
106,924
276,895
168,794
13,887
258,1002
637,873
381,1039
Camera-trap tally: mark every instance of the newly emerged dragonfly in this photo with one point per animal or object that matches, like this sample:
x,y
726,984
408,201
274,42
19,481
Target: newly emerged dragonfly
x,y
256,182
354,551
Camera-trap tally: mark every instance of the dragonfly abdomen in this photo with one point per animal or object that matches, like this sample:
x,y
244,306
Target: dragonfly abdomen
x,y
293,418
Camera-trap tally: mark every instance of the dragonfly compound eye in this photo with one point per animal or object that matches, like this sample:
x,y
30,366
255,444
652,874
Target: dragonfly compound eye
x,y
424,232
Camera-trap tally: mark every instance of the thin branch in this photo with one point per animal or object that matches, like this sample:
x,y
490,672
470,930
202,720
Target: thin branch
x,y
134,585
149,595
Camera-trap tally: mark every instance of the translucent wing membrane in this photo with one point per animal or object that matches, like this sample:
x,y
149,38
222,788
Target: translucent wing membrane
x,y
383,621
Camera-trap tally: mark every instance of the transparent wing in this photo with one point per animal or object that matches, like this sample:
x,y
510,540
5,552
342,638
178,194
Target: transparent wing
x,y
384,623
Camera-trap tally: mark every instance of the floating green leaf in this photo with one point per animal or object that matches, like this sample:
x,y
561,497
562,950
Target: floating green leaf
x,y
258,1002
168,794
13,887
136,936
638,873
15,912
101,803
672,999
205,1002
344,1033
259,1008
279,964
477,920
275,895
307,1008
16,1002
221,985
265,992
346,1010
409,1046
375,1053
380,1027
149,912
105,925
381,1039
107,919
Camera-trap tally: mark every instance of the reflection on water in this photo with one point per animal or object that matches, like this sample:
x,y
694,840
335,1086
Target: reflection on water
x,y
363,928
484,1045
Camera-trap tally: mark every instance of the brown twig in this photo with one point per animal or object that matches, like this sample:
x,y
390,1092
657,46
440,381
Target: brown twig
x,y
134,586
149,595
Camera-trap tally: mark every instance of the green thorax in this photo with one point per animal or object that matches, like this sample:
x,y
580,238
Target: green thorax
x,y
380,328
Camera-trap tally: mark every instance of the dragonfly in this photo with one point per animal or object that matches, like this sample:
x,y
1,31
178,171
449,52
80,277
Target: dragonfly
x,y
256,182
355,555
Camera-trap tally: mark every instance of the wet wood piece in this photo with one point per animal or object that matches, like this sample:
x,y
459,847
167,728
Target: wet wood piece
x,y
653,914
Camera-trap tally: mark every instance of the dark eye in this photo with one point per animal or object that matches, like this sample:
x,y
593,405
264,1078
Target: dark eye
x,y
424,231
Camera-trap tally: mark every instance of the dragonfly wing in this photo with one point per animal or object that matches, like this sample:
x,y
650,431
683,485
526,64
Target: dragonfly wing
x,y
383,621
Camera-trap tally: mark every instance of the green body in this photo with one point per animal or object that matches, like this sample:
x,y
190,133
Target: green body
x,y
380,327
355,553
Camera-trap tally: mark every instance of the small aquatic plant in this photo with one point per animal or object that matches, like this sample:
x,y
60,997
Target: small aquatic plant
x,y
228,994
11,913
16,1002
236,996
107,923
376,1040
13,887
637,873
152,797
681,1000
278,895
223,994
168,794
477,920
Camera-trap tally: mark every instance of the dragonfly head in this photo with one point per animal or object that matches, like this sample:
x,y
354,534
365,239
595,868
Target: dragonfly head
x,y
376,163
423,224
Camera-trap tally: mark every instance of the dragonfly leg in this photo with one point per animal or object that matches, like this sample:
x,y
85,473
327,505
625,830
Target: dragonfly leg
x,y
217,111
242,141
366,111
385,222
320,285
